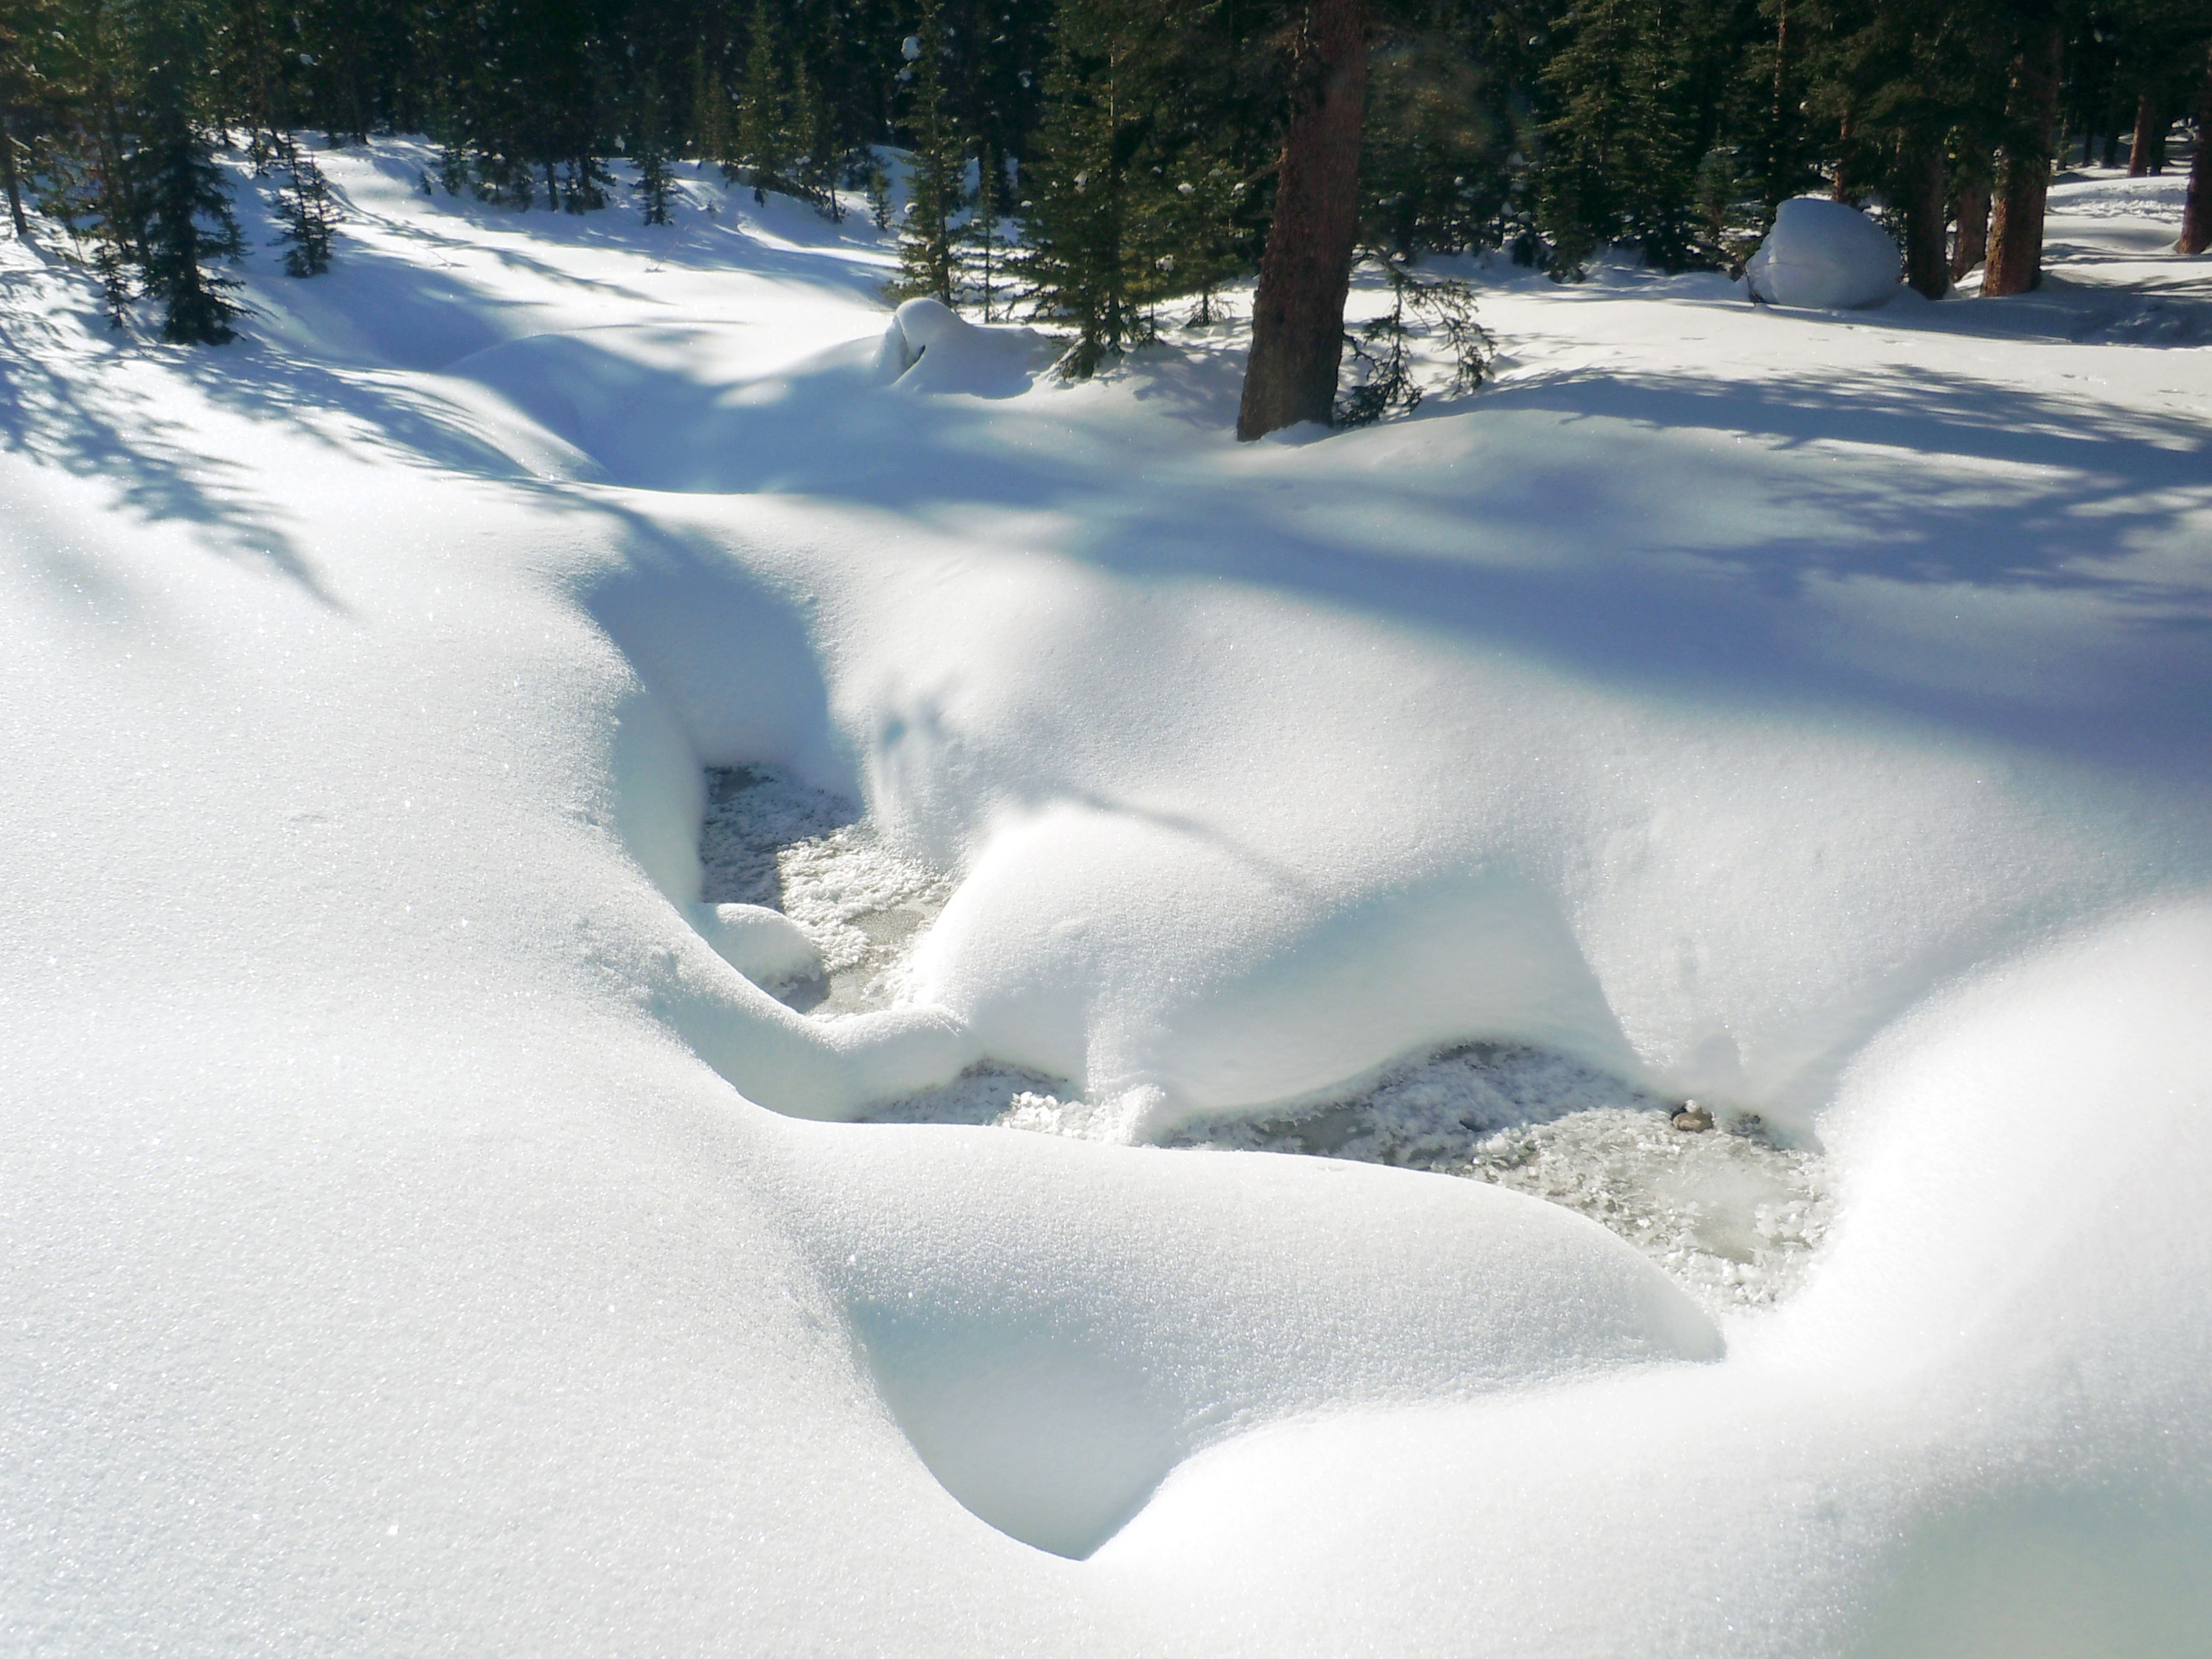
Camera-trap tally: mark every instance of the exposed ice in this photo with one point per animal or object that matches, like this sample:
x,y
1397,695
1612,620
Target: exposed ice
x,y
768,839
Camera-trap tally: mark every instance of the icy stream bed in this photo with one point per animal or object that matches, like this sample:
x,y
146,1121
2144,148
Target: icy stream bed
x,y
1734,1213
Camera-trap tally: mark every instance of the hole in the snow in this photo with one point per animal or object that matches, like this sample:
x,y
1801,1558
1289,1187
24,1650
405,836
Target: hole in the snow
x,y
1734,1213
769,839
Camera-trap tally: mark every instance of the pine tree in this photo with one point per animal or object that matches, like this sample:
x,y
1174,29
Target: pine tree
x,y
92,183
2197,205
2015,261
26,88
814,129
1615,169
711,138
652,152
763,145
1298,312
982,241
304,208
936,183
1094,216
188,217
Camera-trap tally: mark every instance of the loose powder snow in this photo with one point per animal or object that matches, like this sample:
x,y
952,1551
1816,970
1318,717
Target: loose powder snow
x,y
1734,1213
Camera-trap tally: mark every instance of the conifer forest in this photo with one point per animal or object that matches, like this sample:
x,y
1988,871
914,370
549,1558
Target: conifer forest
x,y
1081,161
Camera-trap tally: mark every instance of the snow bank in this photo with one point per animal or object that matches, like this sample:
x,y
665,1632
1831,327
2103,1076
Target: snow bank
x,y
1825,255
1056,1325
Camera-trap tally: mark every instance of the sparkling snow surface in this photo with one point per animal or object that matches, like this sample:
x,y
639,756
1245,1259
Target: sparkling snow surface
x,y
422,1237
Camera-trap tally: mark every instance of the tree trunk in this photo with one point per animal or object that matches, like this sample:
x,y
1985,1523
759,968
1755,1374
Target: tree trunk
x,y
1972,245
2146,139
1920,173
15,186
2196,207
1297,316
1846,186
2015,263
1781,154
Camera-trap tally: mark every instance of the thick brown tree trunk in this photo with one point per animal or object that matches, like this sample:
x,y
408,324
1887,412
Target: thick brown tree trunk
x,y
1920,173
1973,245
2196,207
2142,149
1297,316
2015,263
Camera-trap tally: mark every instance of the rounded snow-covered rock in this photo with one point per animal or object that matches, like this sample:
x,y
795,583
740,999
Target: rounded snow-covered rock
x,y
930,348
759,943
914,327
1825,255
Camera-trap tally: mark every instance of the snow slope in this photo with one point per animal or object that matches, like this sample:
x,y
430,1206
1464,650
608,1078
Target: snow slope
x,y
421,1239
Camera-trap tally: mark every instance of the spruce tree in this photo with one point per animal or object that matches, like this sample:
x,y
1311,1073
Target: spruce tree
x,y
304,208
815,135
1093,210
711,138
1297,311
1616,168
983,247
763,145
188,223
652,151
937,174
26,92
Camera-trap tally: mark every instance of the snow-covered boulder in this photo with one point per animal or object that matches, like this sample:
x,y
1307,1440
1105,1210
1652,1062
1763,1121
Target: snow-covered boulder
x,y
1823,254
759,943
929,347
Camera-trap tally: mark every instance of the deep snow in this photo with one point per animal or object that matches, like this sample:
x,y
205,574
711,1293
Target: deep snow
x,y
416,1236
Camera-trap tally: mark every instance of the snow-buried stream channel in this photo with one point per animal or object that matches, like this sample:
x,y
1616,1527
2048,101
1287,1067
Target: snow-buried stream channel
x,y
1733,1211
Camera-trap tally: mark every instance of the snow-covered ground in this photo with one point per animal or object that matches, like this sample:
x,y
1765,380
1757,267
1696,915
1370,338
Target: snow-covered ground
x,y
419,1238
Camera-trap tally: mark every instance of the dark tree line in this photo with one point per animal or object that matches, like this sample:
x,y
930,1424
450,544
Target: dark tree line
x,y
1091,160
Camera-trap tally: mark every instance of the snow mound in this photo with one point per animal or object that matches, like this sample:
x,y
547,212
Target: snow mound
x,y
1823,255
1056,1325
929,348
765,945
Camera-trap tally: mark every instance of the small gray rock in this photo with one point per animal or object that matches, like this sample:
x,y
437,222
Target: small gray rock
x,y
1692,1118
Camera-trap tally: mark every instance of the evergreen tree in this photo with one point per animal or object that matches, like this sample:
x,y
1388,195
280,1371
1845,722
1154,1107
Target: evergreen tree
x,y
1094,213
711,137
652,151
936,181
814,129
26,95
1616,168
763,135
305,210
1298,312
983,246
188,221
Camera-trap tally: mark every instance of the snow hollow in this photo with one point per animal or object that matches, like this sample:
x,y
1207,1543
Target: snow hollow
x,y
694,967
